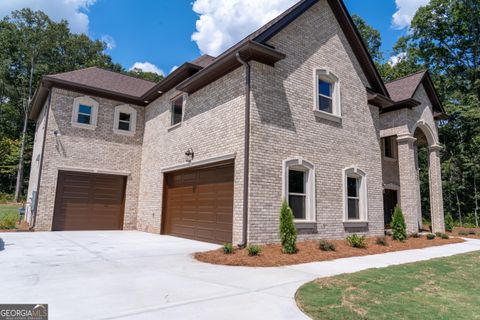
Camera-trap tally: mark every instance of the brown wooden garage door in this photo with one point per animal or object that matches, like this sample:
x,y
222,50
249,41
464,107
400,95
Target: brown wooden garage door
x,y
86,201
199,204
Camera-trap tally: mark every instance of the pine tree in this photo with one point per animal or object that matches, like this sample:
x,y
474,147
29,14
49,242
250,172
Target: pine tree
x,y
399,228
288,232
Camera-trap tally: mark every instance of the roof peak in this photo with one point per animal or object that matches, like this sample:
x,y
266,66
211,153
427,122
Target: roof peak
x,y
408,76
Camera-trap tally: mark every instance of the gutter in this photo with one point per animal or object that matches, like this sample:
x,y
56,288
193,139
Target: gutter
x,y
246,154
42,154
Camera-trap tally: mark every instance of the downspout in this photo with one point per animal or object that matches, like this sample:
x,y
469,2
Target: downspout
x,y
246,154
47,113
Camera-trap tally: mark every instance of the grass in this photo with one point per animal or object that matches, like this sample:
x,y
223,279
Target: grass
x,y
437,289
8,216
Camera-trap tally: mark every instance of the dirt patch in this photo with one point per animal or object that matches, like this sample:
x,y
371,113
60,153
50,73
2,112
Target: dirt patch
x,y
470,232
308,251
21,227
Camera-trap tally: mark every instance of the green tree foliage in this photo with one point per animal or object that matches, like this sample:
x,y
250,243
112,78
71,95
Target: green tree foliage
x,y
399,227
449,222
288,232
150,76
32,45
371,37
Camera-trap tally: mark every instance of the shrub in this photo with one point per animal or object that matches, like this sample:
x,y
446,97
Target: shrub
x,y
438,234
6,197
449,222
325,245
430,236
444,236
463,233
8,221
399,228
471,232
382,241
415,235
228,248
288,232
357,241
254,250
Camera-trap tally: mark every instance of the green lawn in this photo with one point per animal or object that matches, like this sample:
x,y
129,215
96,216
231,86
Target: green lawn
x,y
8,216
8,209
446,288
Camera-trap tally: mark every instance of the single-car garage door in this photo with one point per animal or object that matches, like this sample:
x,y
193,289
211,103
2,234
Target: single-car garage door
x,y
87,201
199,203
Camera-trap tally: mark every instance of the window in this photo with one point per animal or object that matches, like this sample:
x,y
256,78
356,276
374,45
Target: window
x,y
327,95
84,113
355,203
177,110
299,188
125,120
389,147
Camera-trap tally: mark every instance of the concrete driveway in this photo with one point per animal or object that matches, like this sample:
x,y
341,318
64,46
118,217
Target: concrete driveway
x,y
135,275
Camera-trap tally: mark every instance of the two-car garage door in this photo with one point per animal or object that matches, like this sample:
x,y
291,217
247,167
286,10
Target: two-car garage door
x,y
199,203
88,201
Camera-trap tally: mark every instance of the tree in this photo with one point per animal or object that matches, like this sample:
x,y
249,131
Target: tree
x,y
399,228
288,232
371,37
150,76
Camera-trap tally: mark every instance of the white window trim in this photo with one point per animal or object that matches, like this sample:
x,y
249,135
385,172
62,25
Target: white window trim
x,y
85,100
325,75
394,146
125,108
355,172
304,165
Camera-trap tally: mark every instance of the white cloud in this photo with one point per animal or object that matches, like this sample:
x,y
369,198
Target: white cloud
x,y
109,41
397,58
74,11
173,69
147,67
223,23
406,10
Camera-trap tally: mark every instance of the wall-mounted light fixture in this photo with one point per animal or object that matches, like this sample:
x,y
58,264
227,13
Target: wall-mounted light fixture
x,y
189,154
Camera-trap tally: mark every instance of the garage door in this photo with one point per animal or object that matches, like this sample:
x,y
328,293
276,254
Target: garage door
x,y
86,201
199,204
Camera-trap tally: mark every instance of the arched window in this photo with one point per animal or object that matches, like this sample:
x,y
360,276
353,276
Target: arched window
x,y
125,120
355,195
327,95
85,111
299,188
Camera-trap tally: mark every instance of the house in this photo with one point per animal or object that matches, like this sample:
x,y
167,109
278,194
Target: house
x,y
296,111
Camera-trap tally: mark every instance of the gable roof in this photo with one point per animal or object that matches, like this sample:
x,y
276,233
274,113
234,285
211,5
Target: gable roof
x,y
404,89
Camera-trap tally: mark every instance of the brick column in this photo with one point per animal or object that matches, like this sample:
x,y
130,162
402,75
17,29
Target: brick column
x,y
436,196
409,182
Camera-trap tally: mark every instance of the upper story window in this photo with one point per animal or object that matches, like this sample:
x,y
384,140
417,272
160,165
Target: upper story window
x,y
125,120
355,203
389,147
84,114
299,188
177,110
327,95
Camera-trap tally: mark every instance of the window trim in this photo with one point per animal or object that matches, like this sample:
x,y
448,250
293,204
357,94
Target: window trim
x,y
355,172
326,75
87,101
172,100
301,164
125,108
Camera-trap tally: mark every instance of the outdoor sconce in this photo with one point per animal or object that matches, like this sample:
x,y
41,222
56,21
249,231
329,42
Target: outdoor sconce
x,y
189,155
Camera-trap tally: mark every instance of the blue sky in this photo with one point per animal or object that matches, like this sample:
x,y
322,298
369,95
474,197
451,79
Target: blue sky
x,y
157,35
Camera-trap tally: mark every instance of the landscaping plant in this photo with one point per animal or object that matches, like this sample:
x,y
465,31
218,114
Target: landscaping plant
x,y
449,222
228,248
415,235
399,227
254,250
463,233
445,236
8,220
357,241
430,236
288,232
382,241
325,245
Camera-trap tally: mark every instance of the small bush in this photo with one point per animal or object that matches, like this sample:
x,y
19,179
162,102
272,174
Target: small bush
x,y
357,241
415,235
463,233
288,232
254,250
382,241
449,222
438,234
399,228
228,248
325,245
8,221
430,236
471,232
444,236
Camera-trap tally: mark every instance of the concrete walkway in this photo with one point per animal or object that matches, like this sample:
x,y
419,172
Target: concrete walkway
x,y
134,275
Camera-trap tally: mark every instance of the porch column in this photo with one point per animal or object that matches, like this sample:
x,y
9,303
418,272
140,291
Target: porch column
x,y
418,191
409,182
436,196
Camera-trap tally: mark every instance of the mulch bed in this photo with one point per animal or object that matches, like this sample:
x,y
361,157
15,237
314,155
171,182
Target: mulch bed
x,y
308,251
469,231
